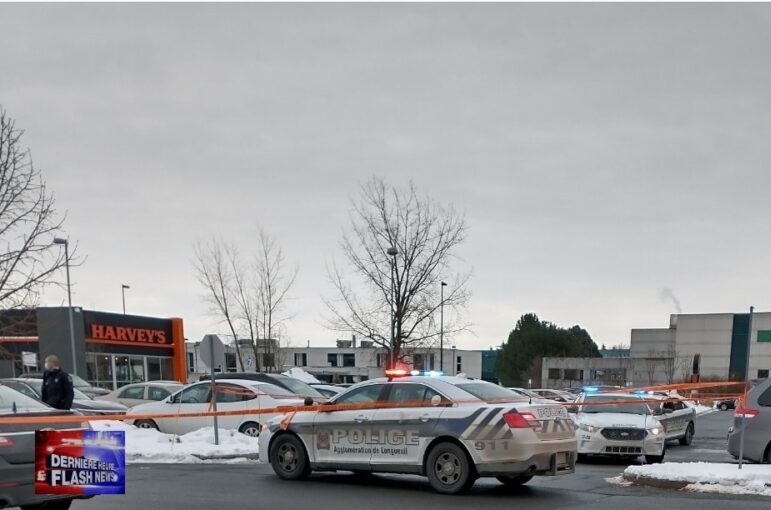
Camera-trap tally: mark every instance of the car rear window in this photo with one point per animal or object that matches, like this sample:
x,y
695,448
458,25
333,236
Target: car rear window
x,y
9,397
765,398
273,390
300,388
490,392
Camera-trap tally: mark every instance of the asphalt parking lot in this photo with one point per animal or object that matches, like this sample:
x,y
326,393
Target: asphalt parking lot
x,y
193,487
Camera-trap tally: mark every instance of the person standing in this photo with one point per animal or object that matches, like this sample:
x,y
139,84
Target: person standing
x,y
57,385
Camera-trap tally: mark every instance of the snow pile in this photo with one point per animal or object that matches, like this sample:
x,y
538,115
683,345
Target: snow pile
x,y
302,375
752,479
701,408
151,446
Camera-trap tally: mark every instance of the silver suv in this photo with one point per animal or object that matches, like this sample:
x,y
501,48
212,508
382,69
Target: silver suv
x,y
757,417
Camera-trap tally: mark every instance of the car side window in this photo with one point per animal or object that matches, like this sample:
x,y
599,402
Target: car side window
x,y
137,393
230,393
411,394
363,395
197,394
765,398
23,389
156,393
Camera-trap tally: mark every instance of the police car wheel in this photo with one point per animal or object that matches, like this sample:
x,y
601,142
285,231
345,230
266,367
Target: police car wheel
x,y
251,429
514,481
654,459
688,437
449,469
288,458
146,424
59,504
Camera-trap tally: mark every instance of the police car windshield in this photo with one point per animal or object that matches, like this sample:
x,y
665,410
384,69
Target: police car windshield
x,y
490,392
606,404
9,397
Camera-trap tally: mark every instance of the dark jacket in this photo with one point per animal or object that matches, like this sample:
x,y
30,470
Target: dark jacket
x,y
57,389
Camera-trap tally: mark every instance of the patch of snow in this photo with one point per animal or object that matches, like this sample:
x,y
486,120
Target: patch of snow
x,y
700,408
302,375
151,446
709,477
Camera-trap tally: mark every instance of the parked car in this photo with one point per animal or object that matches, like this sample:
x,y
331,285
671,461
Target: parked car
x,y
232,395
677,417
328,390
296,386
17,454
77,382
141,393
753,418
82,403
726,404
557,395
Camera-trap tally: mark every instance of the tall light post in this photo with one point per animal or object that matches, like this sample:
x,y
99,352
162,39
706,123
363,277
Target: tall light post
x,y
441,327
392,252
59,240
454,365
123,288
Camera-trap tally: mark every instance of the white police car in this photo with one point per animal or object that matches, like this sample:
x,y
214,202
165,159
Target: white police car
x,y
617,424
450,429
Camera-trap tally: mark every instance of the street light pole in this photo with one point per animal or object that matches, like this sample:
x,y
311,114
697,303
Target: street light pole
x,y
441,327
123,295
392,252
59,240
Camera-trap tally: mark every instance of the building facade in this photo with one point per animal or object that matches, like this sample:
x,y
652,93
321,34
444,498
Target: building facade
x,y
111,350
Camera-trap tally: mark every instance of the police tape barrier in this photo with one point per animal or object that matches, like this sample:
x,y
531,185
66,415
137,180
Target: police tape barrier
x,y
293,409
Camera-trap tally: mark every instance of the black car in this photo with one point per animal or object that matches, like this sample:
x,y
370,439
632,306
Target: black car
x,y
288,383
81,403
726,404
17,452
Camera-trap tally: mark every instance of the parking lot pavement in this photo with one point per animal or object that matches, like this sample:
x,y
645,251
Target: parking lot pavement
x,y
206,486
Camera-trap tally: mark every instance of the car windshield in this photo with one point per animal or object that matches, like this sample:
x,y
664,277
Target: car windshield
x,y
273,390
605,404
489,392
79,383
300,388
9,397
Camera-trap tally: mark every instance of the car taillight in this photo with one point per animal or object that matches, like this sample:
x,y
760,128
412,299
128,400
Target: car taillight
x,y
743,412
5,441
517,420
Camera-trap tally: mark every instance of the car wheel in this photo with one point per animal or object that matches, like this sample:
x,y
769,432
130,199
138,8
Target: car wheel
x,y
250,428
724,407
289,458
146,424
59,504
449,469
514,481
768,454
655,459
582,457
688,437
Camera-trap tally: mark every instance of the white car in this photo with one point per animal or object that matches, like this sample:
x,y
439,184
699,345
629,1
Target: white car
x,y
328,390
677,417
450,429
232,395
618,424
140,393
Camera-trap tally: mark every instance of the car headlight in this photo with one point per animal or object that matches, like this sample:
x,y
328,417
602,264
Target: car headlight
x,y
656,431
588,428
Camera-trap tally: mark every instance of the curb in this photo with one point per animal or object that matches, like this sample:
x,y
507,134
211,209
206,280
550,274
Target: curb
x,y
249,456
647,481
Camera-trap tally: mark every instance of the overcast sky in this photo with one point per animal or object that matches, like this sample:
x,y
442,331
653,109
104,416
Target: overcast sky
x,y
601,152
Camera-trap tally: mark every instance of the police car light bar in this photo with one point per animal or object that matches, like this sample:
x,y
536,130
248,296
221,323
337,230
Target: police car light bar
x,y
396,372
400,372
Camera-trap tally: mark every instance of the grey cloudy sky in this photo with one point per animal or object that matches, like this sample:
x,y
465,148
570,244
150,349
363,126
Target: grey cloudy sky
x,y
601,152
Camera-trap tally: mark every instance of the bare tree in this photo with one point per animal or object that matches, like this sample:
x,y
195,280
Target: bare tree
x,y
425,236
669,359
651,364
215,273
274,281
28,223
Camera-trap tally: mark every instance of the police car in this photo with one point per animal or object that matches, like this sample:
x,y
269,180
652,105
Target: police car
x,y
450,429
619,425
675,416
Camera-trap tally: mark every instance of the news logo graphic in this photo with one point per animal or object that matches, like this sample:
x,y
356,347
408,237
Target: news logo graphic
x,y
80,462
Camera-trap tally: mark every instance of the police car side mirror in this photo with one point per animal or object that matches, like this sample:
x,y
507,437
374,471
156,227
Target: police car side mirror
x,y
436,401
308,401
573,409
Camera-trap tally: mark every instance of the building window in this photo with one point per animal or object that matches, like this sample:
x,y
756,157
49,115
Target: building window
x,y
573,374
763,373
423,362
191,361
458,364
332,359
349,359
230,363
555,373
300,359
269,360
382,359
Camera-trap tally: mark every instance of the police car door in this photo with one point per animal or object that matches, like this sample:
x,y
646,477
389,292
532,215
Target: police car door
x,y
402,429
678,419
341,438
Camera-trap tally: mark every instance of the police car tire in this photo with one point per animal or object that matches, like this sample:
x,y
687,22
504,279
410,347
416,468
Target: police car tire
x,y
514,481
297,467
457,476
688,437
59,504
654,459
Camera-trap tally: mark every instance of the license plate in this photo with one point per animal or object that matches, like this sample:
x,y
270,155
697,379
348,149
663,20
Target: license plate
x,y
551,412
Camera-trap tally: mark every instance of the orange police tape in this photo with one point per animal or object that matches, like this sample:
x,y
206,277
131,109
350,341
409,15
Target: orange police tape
x,y
291,410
